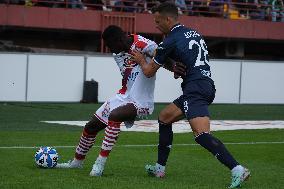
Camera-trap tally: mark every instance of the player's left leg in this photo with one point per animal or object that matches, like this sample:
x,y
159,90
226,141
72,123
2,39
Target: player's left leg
x,y
168,115
120,114
200,96
201,129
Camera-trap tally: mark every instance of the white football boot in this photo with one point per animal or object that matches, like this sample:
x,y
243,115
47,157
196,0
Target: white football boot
x,y
98,167
239,175
156,170
71,164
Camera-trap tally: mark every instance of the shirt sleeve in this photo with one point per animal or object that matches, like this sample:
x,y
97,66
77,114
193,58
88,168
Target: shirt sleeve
x,y
163,51
150,49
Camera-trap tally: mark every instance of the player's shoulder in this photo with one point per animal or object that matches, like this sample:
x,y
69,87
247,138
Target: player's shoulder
x,y
139,39
140,42
168,41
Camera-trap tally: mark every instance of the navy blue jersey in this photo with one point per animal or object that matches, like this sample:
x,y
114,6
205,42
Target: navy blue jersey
x,y
185,45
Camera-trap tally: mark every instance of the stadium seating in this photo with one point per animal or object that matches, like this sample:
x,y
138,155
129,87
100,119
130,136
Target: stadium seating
x,y
235,9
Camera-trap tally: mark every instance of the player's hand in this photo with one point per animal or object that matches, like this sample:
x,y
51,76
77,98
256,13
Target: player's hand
x,y
138,57
179,70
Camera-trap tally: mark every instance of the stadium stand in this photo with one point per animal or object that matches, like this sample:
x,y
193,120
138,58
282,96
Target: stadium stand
x,y
272,10
243,29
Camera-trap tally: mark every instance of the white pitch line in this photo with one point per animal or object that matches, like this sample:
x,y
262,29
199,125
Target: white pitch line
x,y
144,145
183,126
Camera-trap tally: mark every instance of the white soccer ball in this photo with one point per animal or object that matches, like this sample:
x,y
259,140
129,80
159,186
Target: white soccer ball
x,y
46,157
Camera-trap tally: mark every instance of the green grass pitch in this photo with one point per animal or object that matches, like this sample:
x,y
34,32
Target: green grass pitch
x,y
189,167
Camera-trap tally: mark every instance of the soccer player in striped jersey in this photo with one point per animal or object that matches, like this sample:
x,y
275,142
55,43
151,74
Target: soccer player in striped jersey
x,y
134,100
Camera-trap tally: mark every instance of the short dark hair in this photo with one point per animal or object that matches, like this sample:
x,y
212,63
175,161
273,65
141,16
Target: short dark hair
x,y
167,8
112,32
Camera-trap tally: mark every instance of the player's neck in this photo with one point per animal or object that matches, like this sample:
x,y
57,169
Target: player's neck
x,y
129,42
173,25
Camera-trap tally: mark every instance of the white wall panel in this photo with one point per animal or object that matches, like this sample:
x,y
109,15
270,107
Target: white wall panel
x,y
262,82
55,78
60,78
13,77
105,71
167,88
226,75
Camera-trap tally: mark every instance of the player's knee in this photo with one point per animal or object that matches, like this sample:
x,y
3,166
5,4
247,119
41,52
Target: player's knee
x,y
163,116
169,115
94,126
114,116
164,119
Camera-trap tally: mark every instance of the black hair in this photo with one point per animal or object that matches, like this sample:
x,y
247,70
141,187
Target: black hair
x,y
166,8
112,33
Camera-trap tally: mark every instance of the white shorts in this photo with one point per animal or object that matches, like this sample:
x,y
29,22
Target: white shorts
x,y
104,111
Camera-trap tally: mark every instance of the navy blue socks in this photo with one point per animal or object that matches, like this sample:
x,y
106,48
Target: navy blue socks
x,y
165,142
217,148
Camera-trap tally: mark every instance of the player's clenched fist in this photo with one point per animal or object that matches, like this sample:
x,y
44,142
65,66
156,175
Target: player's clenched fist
x,y
179,70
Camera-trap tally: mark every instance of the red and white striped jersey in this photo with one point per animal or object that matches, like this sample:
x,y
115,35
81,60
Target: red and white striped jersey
x,y
135,85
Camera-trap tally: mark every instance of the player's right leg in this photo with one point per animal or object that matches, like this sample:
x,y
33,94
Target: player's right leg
x,y
86,141
111,135
118,112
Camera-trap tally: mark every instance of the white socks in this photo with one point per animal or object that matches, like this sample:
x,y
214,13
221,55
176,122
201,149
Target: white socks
x,y
101,159
238,168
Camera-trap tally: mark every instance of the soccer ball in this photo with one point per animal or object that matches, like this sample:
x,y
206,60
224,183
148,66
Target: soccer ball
x,y
46,157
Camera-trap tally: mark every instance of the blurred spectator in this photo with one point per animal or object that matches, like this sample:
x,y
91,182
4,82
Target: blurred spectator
x,y
218,8
75,4
49,3
181,5
276,10
118,5
130,5
29,3
150,4
107,4
201,7
189,5
9,1
141,6
256,10
263,9
94,4
242,6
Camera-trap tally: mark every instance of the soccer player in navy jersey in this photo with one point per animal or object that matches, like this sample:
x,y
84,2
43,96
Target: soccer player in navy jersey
x,y
187,46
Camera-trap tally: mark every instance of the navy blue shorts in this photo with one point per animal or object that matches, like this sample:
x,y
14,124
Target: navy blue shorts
x,y
197,96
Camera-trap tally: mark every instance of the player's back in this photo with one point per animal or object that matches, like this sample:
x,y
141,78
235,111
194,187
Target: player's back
x,y
190,49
